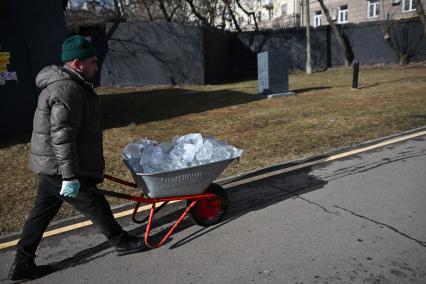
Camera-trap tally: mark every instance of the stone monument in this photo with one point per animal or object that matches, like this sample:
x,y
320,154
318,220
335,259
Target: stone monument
x,y
272,68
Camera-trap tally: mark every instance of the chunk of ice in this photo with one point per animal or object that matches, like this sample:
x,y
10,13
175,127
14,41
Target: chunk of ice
x,y
183,152
205,152
194,138
152,157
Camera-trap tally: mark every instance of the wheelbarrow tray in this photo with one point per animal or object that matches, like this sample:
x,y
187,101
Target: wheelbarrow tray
x,y
187,181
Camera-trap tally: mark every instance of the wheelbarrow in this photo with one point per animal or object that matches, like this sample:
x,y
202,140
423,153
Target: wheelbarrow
x,y
206,202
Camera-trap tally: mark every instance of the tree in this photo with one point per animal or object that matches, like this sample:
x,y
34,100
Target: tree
x,y
200,16
219,13
339,37
421,13
232,14
250,14
169,8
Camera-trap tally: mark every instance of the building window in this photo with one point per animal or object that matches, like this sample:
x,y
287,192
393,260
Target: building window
x,y
271,14
343,14
408,5
284,9
373,8
317,18
259,16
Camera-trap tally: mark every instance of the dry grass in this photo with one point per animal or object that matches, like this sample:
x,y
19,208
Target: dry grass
x,y
325,114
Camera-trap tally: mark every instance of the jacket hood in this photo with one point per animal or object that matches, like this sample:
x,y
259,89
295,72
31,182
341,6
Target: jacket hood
x,y
53,73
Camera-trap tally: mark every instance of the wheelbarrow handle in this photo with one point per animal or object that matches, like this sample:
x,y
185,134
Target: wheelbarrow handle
x,y
120,181
118,195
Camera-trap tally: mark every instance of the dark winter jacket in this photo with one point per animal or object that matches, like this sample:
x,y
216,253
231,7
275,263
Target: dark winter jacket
x,y
67,127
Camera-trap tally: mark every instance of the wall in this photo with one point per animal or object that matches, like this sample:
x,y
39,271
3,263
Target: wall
x,y
367,41
132,54
32,34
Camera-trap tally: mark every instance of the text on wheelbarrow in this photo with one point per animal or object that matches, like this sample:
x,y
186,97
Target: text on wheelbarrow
x,y
184,178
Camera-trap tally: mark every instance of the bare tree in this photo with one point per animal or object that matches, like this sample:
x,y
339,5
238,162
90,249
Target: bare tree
x,y
421,13
250,14
218,13
232,14
147,7
117,8
204,20
402,43
169,8
339,37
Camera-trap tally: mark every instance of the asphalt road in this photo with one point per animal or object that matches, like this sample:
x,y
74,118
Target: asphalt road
x,y
357,220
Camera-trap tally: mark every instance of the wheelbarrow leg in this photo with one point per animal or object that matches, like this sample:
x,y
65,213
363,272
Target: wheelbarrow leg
x,y
135,211
163,240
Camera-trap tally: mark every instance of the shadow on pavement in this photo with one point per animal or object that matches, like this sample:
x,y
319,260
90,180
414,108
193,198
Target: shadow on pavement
x,y
244,199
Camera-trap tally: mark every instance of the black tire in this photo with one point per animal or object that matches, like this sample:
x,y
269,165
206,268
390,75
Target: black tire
x,y
196,212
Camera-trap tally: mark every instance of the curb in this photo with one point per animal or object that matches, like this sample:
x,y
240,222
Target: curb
x,y
238,177
317,157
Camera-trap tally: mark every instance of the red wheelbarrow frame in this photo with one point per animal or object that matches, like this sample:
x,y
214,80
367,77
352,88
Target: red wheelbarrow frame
x,y
139,200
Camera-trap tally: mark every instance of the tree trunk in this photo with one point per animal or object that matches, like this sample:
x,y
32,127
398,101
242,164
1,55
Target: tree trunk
x,y
308,38
163,9
148,10
339,37
401,56
249,14
421,12
117,8
231,13
197,14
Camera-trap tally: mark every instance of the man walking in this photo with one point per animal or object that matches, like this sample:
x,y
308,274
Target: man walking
x,y
66,152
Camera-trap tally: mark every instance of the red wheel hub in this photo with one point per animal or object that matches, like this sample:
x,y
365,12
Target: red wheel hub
x,y
208,208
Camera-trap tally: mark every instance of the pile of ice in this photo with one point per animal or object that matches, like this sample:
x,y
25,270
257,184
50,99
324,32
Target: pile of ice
x,y
185,151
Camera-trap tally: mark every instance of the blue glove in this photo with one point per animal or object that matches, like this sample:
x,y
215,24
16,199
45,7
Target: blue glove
x,y
70,188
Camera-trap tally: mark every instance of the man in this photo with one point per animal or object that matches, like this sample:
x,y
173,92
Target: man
x,y
66,152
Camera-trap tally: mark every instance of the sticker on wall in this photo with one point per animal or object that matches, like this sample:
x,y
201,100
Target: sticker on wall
x,y
9,76
5,54
5,75
4,61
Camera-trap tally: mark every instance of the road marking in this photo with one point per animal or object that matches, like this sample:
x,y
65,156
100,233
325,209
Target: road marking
x,y
232,184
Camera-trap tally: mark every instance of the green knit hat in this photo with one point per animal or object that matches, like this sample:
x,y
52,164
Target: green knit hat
x,y
76,47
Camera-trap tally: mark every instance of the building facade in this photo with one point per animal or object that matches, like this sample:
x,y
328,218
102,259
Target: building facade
x,y
359,11
279,13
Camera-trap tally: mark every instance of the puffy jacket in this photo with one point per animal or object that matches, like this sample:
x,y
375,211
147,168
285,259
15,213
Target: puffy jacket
x,y
67,127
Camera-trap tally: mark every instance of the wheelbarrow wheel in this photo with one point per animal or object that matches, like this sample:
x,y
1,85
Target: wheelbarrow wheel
x,y
208,212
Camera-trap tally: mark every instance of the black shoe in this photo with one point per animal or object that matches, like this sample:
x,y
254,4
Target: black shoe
x,y
129,245
28,270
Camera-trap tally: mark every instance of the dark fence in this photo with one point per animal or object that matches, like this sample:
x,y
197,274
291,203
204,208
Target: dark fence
x,y
367,42
134,54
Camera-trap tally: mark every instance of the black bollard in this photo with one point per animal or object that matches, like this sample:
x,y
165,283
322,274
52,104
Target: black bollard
x,y
355,75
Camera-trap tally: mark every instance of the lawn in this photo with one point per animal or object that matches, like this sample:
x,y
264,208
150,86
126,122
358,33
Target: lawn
x,y
324,114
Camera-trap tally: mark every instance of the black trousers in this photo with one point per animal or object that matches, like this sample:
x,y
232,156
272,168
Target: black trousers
x,y
93,205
